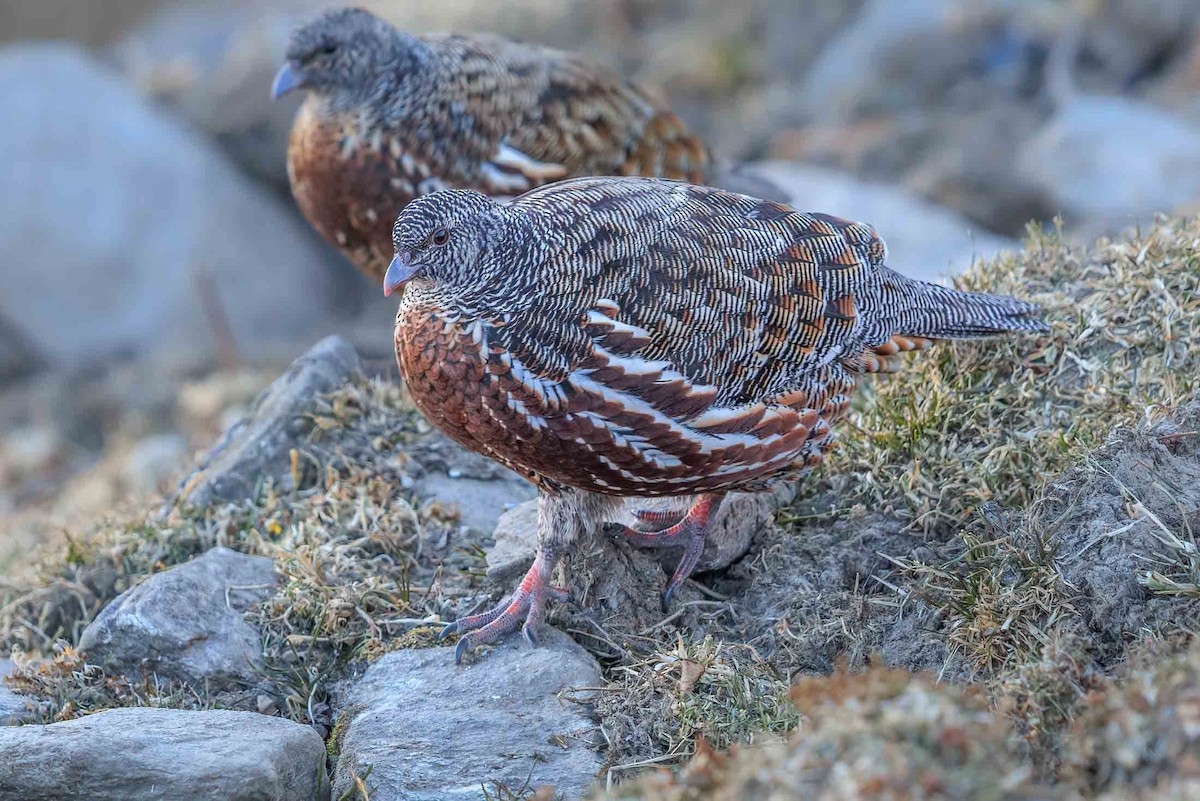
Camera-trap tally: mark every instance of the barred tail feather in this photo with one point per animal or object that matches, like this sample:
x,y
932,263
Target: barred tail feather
x,y
938,312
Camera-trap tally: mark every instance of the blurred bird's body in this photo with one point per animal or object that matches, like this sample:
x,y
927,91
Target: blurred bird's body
x,y
391,117
612,337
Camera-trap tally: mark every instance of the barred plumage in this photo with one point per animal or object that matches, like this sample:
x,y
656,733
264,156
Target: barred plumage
x,y
626,336
391,116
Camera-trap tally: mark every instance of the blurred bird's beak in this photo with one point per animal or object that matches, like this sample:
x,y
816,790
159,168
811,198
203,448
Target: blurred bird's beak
x,y
289,77
399,273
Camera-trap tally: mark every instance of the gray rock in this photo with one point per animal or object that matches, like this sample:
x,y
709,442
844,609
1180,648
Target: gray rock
x,y
430,731
1073,159
516,541
478,487
127,239
742,515
14,708
213,64
480,501
164,754
18,357
1129,40
31,450
186,623
855,62
924,240
963,160
258,445
740,178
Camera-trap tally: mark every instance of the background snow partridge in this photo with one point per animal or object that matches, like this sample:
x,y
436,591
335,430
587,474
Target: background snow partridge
x,y
609,337
391,116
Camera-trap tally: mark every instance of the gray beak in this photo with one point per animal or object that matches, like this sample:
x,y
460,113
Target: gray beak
x,y
288,78
399,273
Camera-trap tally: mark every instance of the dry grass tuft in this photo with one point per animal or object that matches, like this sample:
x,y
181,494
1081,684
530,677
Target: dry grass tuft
x,y
1040,695
1001,593
348,545
67,686
718,693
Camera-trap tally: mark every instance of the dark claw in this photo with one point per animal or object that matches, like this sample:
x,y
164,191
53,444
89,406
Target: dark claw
x,y
461,649
666,599
447,631
530,635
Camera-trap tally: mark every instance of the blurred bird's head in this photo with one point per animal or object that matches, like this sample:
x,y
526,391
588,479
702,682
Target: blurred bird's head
x,y
348,54
441,238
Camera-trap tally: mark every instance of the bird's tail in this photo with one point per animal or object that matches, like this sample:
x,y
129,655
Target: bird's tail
x,y
937,312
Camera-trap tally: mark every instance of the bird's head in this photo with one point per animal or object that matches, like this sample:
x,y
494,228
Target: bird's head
x,y
348,51
440,238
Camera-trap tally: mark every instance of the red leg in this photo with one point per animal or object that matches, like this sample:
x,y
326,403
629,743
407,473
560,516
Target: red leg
x,y
526,608
688,532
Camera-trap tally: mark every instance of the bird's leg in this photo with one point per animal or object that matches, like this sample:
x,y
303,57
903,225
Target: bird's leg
x,y
688,531
561,520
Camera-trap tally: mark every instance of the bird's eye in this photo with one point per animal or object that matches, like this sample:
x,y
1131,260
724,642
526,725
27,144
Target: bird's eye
x,y
329,49
440,237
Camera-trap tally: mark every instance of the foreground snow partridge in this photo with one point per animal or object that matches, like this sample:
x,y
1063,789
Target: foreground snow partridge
x,y
390,117
610,337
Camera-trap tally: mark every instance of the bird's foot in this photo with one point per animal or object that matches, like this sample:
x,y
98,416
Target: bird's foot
x,y
687,530
527,603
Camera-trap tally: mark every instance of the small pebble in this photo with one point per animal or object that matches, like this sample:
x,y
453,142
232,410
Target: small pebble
x,y
267,705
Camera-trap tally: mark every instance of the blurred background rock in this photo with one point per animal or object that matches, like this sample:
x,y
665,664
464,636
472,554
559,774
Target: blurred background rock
x,y
155,274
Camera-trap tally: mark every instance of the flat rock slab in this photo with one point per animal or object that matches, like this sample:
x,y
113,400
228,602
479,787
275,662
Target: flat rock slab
x,y
188,622
430,731
480,502
516,540
164,755
479,488
731,531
